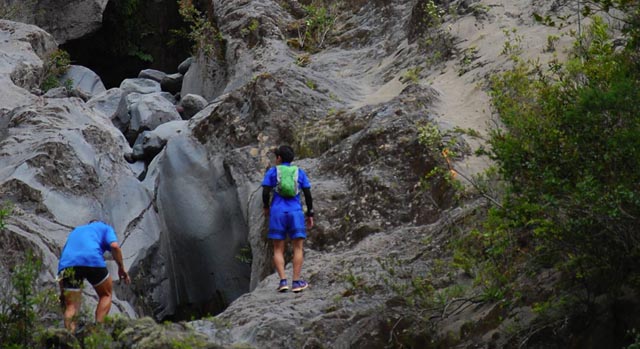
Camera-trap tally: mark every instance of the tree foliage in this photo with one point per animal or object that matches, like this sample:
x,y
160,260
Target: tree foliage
x,y
570,151
203,32
24,306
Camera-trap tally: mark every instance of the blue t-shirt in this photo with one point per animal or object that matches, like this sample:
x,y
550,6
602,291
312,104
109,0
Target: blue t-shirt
x,y
86,246
279,203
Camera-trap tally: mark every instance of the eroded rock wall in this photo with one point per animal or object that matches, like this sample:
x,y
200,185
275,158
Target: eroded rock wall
x,y
65,20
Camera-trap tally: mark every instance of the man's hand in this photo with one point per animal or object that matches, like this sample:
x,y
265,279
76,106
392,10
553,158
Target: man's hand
x,y
265,211
116,252
123,275
309,222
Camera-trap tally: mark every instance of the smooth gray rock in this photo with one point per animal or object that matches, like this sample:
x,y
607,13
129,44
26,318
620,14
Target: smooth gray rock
x,y
137,151
147,146
152,74
57,92
204,78
150,111
172,83
190,105
65,20
168,96
83,80
140,85
170,129
123,113
107,102
205,227
184,66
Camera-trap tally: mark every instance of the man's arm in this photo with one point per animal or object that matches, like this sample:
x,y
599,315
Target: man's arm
x,y
309,202
116,252
266,197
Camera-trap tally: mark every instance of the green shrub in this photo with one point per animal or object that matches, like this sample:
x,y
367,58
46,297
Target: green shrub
x,y
55,65
570,151
23,305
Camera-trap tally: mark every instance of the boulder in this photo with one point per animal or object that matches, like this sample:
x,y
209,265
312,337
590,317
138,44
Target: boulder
x,y
57,92
152,74
205,228
207,79
64,20
150,111
170,97
172,83
137,151
147,146
84,80
123,113
107,103
184,66
23,48
140,85
190,105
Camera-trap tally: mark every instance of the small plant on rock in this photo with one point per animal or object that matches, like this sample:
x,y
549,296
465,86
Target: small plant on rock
x,y
412,75
55,65
552,40
314,29
303,60
469,55
437,43
441,146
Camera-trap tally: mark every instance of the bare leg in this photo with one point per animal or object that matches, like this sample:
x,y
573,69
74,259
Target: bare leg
x,y
278,257
72,301
104,291
298,257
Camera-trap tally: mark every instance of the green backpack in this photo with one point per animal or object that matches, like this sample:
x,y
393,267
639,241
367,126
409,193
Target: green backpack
x,y
287,181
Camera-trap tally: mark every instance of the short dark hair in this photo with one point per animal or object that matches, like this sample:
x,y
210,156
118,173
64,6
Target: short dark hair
x,y
285,152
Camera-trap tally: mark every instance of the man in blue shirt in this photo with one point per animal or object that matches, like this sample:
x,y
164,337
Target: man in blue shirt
x,y
286,218
82,258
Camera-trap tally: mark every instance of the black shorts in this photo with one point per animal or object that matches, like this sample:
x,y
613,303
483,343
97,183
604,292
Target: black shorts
x,y
73,277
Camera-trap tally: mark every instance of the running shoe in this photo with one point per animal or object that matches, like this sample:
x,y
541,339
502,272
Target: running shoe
x,y
283,286
299,285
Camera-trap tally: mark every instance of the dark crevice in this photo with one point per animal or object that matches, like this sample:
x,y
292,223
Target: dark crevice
x,y
135,35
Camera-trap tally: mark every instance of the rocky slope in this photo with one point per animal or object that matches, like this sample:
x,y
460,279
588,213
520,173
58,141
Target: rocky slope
x,y
189,209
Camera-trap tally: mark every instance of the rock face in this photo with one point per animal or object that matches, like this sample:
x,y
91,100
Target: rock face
x,y
63,163
206,227
189,211
21,66
192,225
353,300
65,20
68,165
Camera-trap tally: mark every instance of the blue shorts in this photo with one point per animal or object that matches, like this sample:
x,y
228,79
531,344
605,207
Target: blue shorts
x,y
291,224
